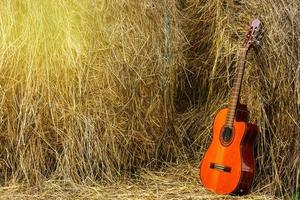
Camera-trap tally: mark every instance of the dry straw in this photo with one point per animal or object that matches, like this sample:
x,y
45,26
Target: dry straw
x,y
174,182
93,90
86,89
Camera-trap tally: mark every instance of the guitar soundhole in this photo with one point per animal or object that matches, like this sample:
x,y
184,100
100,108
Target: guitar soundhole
x,y
227,135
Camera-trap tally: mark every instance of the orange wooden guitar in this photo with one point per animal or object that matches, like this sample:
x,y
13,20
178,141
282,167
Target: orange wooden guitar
x,y
228,165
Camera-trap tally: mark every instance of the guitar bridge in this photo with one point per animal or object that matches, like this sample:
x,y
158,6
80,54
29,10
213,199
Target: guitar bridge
x,y
220,167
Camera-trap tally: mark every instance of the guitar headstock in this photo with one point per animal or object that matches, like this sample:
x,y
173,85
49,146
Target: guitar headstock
x,y
254,35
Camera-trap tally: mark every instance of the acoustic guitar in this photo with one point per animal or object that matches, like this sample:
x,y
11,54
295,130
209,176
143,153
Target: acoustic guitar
x,y
228,165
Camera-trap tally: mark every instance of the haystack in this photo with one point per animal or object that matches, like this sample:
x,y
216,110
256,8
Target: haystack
x,y
93,90
215,31
86,87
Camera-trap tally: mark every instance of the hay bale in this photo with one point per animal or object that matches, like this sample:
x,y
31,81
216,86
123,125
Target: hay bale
x,y
271,88
86,87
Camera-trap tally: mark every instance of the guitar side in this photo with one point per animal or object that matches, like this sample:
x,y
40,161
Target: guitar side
x,y
229,169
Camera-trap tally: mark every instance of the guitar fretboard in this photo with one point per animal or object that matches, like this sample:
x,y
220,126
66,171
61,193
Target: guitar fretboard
x,y
234,97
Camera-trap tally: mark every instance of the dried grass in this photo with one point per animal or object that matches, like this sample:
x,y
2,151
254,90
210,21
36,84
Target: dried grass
x,y
86,87
92,91
171,182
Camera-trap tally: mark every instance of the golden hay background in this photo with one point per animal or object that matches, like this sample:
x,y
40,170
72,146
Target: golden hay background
x,y
85,87
97,89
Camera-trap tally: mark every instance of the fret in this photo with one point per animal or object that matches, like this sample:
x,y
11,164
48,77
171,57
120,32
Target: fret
x,y
232,104
231,107
231,118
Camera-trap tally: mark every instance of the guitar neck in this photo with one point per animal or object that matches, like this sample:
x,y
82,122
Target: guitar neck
x,y
235,93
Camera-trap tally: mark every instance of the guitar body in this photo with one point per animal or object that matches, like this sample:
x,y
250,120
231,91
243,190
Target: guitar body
x,y
228,167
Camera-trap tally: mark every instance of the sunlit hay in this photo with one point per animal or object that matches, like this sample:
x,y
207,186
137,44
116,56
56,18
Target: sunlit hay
x,y
216,30
86,87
